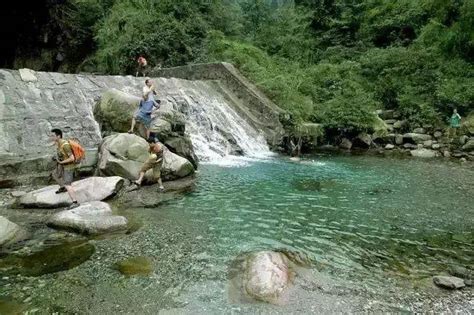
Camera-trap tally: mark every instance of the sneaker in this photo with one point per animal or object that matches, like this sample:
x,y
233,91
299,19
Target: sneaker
x,y
75,204
61,190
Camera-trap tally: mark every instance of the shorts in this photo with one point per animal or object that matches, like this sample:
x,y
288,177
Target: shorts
x,y
68,177
144,119
63,177
152,164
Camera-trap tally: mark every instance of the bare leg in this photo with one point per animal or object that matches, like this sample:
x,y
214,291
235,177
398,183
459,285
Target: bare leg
x,y
161,184
71,193
133,125
140,178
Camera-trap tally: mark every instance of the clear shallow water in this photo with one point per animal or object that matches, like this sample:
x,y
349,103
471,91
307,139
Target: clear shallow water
x,y
375,229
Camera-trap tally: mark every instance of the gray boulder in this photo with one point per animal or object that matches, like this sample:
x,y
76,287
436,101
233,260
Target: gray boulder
x,y
423,153
389,146
266,276
123,155
438,134
10,232
428,143
469,146
363,140
416,137
419,130
93,217
345,144
88,189
448,282
116,108
183,147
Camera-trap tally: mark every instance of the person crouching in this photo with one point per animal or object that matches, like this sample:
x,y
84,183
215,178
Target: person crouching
x,y
154,161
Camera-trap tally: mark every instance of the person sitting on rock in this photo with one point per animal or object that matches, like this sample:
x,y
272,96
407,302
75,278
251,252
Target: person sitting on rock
x,y
65,166
154,161
454,123
145,108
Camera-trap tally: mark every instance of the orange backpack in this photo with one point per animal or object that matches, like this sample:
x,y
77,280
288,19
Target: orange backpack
x,y
77,150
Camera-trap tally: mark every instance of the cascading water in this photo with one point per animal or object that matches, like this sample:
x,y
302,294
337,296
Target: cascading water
x,y
216,130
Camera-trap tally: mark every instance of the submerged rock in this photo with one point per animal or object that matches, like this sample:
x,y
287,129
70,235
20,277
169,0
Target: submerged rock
x,y
10,232
139,265
89,218
264,276
449,282
89,189
123,155
53,259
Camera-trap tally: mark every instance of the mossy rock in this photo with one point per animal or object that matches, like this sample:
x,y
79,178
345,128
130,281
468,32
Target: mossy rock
x,y
468,124
139,265
53,259
380,128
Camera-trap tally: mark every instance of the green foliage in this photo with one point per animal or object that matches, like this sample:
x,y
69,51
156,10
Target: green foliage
x,y
325,61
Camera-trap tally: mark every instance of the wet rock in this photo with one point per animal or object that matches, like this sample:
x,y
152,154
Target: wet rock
x,y
419,130
416,137
182,147
150,197
461,272
345,144
89,218
449,282
438,134
266,276
389,146
124,154
53,259
423,153
139,265
310,184
10,232
469,146
89,189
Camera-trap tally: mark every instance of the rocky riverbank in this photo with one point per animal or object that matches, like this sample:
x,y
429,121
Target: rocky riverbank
x,y
394,137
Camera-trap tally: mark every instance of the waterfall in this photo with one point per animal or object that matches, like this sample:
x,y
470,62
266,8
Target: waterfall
x,y
217,131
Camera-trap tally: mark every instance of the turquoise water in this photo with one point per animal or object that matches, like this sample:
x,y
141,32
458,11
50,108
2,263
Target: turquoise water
x,y
374,230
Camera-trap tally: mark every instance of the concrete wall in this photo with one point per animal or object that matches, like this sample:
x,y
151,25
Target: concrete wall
x,y
242,94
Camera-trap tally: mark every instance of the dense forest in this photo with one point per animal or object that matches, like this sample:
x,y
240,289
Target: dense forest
x,y
328,61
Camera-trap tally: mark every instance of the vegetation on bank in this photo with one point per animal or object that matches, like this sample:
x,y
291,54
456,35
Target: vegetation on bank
x,y
328,61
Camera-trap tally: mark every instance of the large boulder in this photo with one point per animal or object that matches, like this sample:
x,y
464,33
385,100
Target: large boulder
x,y
88,189
263,276
183,147
115,110
123,155
345,144
469,146
363,140
10,232
93,217
380,128
424,153
448,282
416,137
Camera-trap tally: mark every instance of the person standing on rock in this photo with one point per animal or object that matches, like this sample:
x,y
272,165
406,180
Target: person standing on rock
x,y
454,123
145,108
154,161
142,66
65,166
